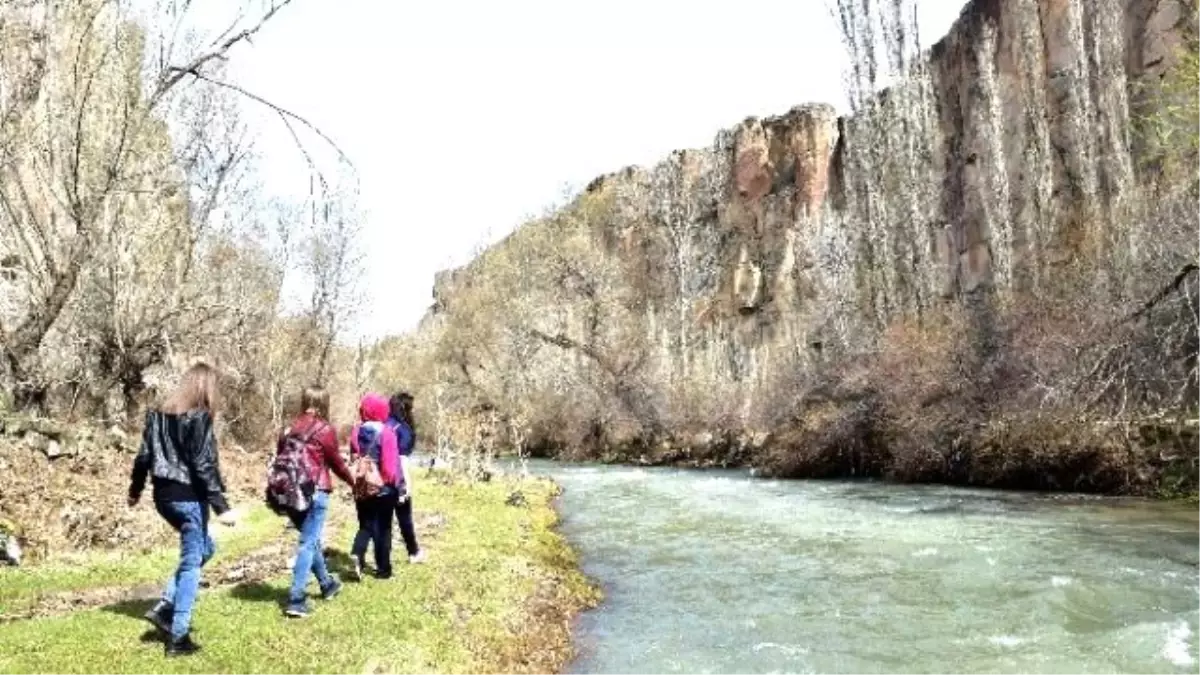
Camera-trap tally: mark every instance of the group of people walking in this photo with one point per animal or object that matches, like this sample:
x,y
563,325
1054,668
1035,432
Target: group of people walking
x,y
179,455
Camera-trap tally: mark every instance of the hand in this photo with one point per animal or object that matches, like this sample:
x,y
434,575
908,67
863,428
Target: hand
x,y
228,519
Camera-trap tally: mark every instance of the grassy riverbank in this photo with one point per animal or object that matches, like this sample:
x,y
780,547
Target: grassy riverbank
x,y
496,596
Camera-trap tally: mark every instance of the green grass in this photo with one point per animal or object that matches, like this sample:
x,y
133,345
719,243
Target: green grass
x,y
473,607
21,587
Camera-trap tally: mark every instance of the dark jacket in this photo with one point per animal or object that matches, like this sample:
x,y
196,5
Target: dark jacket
x,y
405,439
179,452
322,449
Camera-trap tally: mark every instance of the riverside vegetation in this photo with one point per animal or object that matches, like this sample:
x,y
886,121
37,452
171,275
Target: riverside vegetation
x,y
135,237
985,274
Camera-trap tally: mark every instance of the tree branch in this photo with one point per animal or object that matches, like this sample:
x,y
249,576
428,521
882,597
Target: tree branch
x,y
283,112
1186,271
173,74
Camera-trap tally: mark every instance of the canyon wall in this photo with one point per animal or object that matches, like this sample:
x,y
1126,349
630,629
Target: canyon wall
x,y
1008,166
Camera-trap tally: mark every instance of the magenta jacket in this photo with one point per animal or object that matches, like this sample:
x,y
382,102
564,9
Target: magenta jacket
x,y
374,408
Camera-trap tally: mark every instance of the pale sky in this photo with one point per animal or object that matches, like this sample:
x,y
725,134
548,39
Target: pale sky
x,y
465,117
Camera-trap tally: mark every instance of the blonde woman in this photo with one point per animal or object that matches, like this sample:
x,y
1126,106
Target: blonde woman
x,y
179,453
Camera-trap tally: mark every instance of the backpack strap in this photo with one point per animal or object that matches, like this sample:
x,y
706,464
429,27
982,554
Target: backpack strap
x,y
313,432
319,427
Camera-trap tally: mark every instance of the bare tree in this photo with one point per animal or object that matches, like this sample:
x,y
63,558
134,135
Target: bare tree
x,y
332,263
882,40
680,195
78,127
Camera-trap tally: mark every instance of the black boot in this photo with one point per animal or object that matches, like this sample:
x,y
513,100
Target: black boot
x,y
182,646
160,615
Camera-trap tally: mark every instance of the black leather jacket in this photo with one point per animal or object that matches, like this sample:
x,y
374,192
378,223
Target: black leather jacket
x,y
180,452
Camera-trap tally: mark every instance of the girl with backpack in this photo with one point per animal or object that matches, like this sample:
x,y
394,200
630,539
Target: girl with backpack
x,y
378,484
401,422
312,435
179,454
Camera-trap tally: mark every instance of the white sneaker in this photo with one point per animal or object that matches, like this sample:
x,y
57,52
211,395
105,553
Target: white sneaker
x,y
358,568
418,558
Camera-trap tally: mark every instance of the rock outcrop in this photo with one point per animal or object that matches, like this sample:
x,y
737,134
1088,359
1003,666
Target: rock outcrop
x,y
1008,154
1007,162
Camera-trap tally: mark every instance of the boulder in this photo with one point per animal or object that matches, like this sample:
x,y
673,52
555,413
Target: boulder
x,y
703,441
10,548
36,441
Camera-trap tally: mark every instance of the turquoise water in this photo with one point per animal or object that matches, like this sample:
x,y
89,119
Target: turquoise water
x,y
714,572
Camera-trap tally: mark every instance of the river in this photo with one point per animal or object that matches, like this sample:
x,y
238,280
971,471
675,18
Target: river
x,y
717,572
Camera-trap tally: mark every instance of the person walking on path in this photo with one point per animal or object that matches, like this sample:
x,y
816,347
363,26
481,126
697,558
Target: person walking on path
x,y
179,454
319,439
401,422
378,484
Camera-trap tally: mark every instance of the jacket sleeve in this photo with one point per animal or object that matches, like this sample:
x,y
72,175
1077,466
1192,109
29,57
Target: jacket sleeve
x,y
389,455
404,436
141,463
333,458
206,468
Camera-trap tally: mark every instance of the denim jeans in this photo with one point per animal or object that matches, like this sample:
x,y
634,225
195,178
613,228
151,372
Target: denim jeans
x,y
196,547
309,556
375,526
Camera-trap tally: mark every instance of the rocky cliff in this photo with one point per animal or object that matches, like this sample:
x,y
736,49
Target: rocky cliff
x,y
1008,165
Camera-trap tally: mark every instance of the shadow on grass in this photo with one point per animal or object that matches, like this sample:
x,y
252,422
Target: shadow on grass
x,y
135,609
340,563
257,591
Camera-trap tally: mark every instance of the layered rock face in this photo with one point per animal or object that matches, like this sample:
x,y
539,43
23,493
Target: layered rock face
x,y
1009,153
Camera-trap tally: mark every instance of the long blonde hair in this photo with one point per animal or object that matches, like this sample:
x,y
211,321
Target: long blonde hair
x,y
197,390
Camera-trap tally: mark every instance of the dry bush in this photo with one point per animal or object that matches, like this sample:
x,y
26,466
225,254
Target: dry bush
x,y
698,404
1047,450
542,332
830,439
1062,399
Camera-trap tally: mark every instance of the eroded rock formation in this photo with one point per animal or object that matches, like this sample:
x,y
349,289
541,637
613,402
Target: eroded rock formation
x,y
1006,161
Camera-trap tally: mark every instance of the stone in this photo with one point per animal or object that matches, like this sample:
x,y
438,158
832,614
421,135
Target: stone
x,y
747,283
53,450
10,549
752,170
35,441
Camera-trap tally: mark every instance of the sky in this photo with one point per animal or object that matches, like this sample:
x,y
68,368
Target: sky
x,y
463,119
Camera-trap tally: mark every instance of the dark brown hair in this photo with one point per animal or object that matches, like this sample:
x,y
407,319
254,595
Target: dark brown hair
x,y
315,398
197,390
401,405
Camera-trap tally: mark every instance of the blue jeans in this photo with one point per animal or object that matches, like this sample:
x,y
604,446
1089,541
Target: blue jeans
x,y
190,520
310,557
